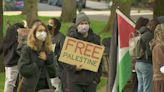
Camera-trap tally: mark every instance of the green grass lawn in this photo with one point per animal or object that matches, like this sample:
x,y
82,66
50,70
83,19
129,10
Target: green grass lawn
x,y
102,83
97,26
2,81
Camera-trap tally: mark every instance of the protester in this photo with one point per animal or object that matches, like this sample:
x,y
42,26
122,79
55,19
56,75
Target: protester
x,y
36,64
141,22
58,41
143,65
78,79
158,59
8,48
57,37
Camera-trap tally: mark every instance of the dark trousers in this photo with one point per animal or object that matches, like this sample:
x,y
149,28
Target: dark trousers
x,y
82,88
42,84
135,82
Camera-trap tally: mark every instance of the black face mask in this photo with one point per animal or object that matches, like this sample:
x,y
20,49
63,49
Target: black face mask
x,y
49,27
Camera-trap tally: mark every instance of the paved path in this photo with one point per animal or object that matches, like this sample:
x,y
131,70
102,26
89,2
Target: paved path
x,y
91,11
89,5
97,5
93,14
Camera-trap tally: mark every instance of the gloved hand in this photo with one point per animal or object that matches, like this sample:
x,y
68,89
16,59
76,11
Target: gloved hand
x,y
56,83
162,69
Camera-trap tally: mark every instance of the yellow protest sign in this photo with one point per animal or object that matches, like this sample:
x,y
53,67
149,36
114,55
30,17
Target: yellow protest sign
x,y
78,52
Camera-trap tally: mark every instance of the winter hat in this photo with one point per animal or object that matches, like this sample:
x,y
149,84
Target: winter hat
x,y
82,17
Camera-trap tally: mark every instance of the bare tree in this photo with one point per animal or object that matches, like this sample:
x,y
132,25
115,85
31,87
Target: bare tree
x,y
158,8
31,10
25,7
68,10
124,6
1,20
1,34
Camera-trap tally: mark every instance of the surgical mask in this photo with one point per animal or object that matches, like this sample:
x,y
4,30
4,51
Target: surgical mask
x,y
41,35
50,27
83,28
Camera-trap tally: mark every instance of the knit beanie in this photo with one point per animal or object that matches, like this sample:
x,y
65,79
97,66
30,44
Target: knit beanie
x,y
82,17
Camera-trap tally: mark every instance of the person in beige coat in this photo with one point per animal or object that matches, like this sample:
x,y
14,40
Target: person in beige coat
x,y
157,46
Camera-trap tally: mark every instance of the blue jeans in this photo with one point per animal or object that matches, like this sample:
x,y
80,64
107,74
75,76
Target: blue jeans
x,y
144,75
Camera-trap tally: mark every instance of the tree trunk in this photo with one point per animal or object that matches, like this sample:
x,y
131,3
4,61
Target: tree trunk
x,y
124,6
68,10
31,11
158,8
1,35
25,7
109,26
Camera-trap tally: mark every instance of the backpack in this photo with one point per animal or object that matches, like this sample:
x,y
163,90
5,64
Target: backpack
x,y
135,48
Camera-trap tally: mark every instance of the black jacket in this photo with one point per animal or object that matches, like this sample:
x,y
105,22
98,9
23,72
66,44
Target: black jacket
x,y
10,54
147,36
34,70
83,77
58,40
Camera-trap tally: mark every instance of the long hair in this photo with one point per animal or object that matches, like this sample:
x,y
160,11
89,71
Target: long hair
x,y
34,43
11,35
141,22
57,23
158,36
159,32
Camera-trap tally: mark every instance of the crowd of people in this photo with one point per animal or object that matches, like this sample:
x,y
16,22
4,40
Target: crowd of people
x,y
149,67
31,58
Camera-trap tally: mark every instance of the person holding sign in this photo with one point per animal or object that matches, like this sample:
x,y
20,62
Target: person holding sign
x,y
79,79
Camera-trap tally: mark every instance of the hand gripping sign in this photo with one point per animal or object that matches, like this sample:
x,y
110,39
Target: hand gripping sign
x,y
78,52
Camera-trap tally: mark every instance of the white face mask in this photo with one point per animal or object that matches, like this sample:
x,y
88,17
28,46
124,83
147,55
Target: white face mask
x,y
41,35
83,28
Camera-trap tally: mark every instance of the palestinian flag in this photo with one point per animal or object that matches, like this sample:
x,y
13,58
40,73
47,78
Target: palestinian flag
x,y
124,65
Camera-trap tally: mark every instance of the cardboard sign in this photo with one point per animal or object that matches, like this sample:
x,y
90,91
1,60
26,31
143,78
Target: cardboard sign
x,y
78,52
23,31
